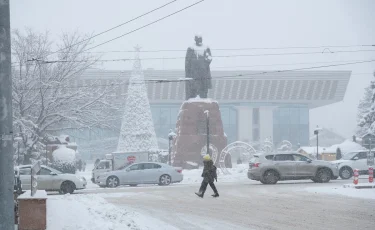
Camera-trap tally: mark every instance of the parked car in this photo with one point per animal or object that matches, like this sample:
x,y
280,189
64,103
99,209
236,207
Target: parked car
x,y
141,173
50,179
273,167
351,161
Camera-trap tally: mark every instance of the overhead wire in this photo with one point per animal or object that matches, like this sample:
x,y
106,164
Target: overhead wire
x,y
110,29
219,77
231,49
215,56
144,26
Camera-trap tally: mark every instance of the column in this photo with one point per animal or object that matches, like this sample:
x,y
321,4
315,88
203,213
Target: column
x,y
244,123
266,122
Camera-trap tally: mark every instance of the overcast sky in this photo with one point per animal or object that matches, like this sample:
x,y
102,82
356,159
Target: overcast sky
x,y
226,24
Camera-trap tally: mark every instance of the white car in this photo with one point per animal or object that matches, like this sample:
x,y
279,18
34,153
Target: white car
x,y
141,173
50,179
351,161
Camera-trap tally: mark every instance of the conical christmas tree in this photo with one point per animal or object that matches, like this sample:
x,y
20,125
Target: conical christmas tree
x,y
137,132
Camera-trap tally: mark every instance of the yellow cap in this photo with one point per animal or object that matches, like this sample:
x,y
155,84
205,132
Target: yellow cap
x,y
206,157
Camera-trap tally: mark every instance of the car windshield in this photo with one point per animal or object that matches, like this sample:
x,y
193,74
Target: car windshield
x,y
53,170
349,156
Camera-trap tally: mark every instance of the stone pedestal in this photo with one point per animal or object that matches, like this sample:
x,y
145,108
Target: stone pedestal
x,y
32,211
191,133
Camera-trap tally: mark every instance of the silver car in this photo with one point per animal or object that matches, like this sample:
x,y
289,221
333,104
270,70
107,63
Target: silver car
x,y
50,179
141,173
272,167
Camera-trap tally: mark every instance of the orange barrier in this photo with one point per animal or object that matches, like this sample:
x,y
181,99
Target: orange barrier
x,y
356,174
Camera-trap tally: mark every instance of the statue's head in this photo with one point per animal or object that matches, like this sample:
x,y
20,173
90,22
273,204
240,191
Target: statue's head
x,y
198,39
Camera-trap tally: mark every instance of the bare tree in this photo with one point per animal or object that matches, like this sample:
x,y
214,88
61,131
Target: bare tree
x,y
44,99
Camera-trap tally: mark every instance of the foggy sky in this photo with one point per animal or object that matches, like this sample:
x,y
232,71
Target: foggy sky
x,y
225,24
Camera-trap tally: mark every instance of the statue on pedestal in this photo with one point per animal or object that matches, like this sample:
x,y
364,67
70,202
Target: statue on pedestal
x,y
197,67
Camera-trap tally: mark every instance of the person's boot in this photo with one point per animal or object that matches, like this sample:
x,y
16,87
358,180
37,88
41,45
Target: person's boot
x,y
199,194
215,195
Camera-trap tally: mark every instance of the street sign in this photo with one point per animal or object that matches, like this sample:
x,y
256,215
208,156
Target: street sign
x,y
370,158
35,168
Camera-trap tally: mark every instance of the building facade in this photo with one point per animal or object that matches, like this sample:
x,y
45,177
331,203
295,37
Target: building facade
x,y
254,105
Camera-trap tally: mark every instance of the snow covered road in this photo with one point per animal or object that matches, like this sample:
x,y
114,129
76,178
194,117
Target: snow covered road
x,y
286,205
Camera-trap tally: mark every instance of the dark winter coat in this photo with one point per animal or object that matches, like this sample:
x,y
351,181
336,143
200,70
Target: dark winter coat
x,y
209,171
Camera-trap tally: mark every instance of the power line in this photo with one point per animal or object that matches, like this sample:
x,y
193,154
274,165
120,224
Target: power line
x,y
281,64
115,27
298,69
220,77
232,49
151,23
217,56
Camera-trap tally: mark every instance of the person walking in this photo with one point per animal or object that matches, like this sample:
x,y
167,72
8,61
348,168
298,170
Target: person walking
x,y
209,175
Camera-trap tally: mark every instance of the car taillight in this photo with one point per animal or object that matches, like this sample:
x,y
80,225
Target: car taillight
x,y
179,170
256,165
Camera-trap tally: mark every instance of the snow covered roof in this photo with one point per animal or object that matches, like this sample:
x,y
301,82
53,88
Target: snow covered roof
x,y
311,150
314,88
345,147
62,153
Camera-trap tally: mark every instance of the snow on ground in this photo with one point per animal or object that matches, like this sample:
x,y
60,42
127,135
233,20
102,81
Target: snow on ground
x,y
93,212
237,174
343,190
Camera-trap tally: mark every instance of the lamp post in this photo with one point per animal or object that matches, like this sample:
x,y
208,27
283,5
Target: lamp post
x,y
316,132
171,135
18,139
208,131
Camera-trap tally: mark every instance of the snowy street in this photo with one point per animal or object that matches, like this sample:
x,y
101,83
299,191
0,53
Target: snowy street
x,y
249,205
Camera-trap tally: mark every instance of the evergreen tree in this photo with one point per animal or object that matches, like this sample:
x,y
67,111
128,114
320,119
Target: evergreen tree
x,y
366,111
137,132
338,154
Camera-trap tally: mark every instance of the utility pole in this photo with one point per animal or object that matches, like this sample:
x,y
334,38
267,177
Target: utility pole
x,y
208,131
6,130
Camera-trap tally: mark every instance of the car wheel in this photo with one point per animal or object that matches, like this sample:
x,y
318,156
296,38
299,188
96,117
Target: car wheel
x,y
314,180
323,176
67,187
165,180
113,182
262,181
270,177
346,173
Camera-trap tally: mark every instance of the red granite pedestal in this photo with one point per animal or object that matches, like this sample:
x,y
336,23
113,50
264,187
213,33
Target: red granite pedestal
x,y
191,132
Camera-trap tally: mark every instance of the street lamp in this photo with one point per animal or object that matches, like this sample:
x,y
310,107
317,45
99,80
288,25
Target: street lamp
x,y
316,132
171,135
208,131
18,139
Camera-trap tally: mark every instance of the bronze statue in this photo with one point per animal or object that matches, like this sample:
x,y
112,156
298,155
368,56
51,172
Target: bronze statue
x,y
197,67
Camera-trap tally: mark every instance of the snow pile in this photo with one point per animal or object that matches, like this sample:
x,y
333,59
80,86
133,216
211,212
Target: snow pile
x,y
39,194
237,174
93,212
137,132
89,212
348,191
64,154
